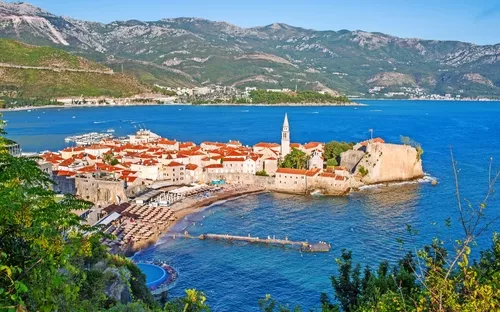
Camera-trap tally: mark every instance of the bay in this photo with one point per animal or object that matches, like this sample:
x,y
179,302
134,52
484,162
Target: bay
x,y
235,276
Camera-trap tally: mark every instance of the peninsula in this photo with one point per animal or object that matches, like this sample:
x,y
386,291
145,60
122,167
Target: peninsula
x,y
143,184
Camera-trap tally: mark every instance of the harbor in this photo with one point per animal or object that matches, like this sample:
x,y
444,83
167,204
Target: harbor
x,y
90,138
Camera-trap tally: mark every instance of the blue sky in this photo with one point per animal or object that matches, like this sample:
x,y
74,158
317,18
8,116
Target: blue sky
x,y
475,21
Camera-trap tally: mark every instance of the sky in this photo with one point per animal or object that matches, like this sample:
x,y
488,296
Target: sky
x,y
476,21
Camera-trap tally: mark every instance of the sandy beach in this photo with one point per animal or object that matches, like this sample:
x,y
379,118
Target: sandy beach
x,y
179,211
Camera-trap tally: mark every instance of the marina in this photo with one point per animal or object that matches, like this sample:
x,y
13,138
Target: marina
x,y
89,138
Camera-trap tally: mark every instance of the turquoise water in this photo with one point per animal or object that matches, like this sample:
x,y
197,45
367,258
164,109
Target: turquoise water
x,y
235,276
155,275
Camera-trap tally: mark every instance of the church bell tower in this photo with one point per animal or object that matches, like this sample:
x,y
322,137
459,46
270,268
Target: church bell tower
x,y
285,138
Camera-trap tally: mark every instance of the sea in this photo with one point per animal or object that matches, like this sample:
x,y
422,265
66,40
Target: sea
x,y
371,223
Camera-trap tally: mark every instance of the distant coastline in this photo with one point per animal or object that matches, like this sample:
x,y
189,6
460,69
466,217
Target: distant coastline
x,y
445,100
25,108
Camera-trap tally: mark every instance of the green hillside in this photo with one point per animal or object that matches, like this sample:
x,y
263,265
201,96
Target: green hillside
x,y
15,52
56,73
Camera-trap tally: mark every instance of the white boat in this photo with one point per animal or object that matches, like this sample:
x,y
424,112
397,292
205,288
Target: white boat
x,y
110,130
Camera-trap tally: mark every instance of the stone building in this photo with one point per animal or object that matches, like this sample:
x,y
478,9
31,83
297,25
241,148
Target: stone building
x,y
175,173
295,180
100,189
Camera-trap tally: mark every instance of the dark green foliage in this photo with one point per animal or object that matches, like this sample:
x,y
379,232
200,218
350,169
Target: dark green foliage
x,y
303,97
138,285
354,291
268,304
363,171
163,91
297,159
8,102
193,302
332,162
347,284
333,150
46,261
41,85
262,173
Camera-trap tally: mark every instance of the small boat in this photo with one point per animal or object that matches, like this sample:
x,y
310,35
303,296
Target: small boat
x,y
73,117
110,130
29,110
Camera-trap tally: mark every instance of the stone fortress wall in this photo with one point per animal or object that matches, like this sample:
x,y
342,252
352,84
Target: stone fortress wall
x,y
389,163
100,191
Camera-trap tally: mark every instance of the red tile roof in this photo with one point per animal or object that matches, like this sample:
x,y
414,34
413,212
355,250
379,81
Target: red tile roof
x,y
291,171
214,166
309,173
66,162
64,173
311,145
128,178
128,172
186,145
149,162
312,172
175,164
327,175
88,169
234,159
268,145
166,142
191,167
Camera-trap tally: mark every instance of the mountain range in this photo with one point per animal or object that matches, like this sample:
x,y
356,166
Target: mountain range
x,y
189,52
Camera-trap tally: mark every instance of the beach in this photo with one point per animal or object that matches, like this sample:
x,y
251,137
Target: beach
x,y
141,227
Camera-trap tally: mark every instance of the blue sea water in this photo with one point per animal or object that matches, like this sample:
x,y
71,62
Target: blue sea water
x,y
235,276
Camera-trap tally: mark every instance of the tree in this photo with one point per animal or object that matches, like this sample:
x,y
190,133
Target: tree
x,y
332,162
193,302
107,158
296,159
333,150
46,259
262,173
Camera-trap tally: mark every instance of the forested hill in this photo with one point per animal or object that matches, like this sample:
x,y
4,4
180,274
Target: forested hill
x,y
193,51
28,71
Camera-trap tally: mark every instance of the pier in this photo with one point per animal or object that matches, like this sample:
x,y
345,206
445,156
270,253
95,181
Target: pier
x,y
304,245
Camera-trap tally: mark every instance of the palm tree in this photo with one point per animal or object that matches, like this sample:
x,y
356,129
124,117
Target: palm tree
x,y
107,158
